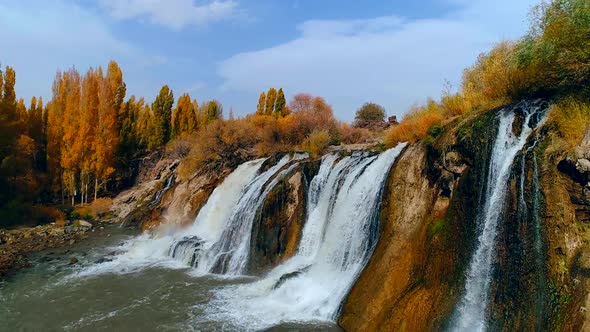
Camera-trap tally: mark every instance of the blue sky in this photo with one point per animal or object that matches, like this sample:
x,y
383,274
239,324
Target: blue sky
x,y
392,52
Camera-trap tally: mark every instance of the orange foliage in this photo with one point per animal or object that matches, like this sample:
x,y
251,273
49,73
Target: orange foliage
x,y
414,126
354,135
101,206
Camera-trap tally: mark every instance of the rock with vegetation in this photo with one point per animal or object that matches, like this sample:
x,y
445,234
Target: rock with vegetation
x,y
278,225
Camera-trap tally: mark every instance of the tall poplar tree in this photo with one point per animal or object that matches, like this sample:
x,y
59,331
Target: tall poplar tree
x,y
162,108
271,97
261,104
280,104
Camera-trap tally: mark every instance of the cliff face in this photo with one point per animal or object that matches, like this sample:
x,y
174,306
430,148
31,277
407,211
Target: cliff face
x,y
428,234
415,275
279,223
565,189
428,231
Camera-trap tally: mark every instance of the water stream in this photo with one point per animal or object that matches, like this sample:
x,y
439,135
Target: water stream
x,y
471,313
193,278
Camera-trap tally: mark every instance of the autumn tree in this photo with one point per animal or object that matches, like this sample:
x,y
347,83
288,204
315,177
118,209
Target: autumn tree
x,y
260,109
162,108
89,117
370,116
281,104
55,115
145,127
21,111
111,95
213,111
271,98
184,117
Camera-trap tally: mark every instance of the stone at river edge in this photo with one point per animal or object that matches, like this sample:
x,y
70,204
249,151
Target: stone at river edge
x,y
16,244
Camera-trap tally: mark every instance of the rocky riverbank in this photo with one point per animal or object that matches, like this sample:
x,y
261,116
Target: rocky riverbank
x,y
17,244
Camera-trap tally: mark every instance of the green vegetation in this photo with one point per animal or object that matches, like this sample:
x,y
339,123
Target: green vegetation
x,y
437,227
551,61
370,116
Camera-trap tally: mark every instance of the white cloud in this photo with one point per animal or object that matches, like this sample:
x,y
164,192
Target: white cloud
x,y
46,35
175,14
390,60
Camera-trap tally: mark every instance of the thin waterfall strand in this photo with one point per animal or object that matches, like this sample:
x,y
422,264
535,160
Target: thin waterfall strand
x,y
471,313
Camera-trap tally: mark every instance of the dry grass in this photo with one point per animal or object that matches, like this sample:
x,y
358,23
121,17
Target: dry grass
x,y
101,206
354,135
316,142
571,119
415,125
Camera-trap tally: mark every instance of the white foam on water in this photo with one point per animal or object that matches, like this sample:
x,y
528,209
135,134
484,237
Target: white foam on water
x,y
338,239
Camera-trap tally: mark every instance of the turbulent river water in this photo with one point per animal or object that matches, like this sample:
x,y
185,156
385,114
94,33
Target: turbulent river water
x,y
196,278
160,296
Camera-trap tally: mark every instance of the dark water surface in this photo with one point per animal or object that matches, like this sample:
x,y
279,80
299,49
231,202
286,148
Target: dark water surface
x,y
50,297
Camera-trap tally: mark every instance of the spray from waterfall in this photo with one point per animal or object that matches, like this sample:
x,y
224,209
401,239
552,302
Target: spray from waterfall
x,y
219,240
338,238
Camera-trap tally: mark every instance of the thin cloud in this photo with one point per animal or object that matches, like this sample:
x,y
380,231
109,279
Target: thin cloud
x,y
390,60
175,14
48,35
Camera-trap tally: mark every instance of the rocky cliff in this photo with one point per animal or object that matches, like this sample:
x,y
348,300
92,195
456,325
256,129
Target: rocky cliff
x,y
428,232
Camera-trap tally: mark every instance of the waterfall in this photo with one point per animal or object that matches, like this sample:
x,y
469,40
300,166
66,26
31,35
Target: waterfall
x,y
160,193
338,238
471,312
219,240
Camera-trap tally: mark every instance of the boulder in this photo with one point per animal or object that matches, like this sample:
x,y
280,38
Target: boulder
x,y
83,223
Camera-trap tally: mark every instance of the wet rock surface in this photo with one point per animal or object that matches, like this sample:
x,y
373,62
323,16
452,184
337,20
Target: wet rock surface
x,y
16,244
278,225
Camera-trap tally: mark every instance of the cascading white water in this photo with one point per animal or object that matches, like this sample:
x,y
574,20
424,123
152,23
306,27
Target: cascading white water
x,y
219,240
148,250
338,238
224,222
471,312
161,192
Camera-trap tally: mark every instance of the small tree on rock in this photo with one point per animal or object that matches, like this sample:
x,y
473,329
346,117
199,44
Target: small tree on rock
x,y
370,116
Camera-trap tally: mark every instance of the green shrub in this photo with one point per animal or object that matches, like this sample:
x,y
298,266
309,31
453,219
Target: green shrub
x,y
316,142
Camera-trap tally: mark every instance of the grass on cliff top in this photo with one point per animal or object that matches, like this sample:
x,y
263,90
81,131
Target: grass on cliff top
x,y
551,60
570,118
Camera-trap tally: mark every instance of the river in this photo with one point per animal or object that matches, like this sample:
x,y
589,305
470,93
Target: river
x,y
55,296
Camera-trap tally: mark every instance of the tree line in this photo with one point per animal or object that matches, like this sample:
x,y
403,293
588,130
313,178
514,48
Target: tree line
x,y
84,142
81,143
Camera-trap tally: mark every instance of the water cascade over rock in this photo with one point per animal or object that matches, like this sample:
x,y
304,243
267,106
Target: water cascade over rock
x,y
219,240
338,238
515,126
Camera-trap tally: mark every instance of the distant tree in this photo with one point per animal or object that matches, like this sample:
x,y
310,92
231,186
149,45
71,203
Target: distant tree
x,y
370,116
214,111
21,111
162,108
281,109
261,104
312,113
271,98
184,116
